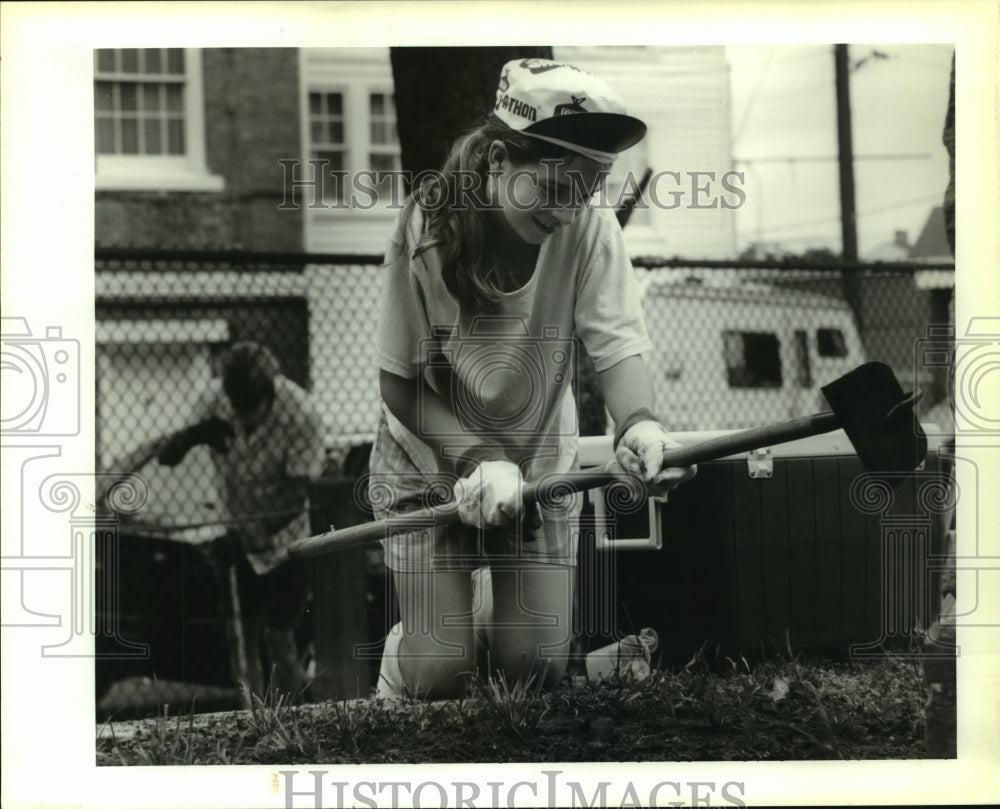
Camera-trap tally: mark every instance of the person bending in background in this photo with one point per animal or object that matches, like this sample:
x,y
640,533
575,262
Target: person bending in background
x,y
266,444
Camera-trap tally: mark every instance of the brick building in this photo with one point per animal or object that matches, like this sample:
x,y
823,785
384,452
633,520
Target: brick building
x,y
185,157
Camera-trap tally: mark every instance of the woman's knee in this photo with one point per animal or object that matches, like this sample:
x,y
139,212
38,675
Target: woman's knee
x,y
437,653
437,670
540,656
531,620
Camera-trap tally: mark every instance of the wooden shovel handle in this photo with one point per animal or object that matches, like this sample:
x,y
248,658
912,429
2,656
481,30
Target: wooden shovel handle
x,y
758,437
446,514
552,486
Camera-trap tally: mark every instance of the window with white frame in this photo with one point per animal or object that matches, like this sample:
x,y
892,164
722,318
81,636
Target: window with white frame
x,y
352,130
149,121
383,141
328,140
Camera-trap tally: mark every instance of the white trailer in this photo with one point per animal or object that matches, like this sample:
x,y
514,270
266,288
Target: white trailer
x,y
737,355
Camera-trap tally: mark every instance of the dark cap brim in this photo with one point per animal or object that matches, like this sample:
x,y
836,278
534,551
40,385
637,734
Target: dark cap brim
x,y
603,131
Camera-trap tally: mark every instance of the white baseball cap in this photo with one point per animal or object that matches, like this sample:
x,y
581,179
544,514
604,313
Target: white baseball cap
x,y
561,104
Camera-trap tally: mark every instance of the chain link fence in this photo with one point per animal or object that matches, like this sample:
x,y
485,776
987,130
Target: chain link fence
x,y
736,345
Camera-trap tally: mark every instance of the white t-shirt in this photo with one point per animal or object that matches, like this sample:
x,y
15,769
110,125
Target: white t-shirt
x,y
513,371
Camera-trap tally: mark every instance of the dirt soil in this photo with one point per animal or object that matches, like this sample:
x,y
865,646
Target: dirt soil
x,y
776,712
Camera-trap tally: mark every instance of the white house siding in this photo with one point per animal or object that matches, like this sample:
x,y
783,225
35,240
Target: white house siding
x,y
682,93
354,72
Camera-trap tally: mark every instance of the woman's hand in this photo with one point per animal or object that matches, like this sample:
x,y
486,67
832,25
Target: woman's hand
x,y
641,439
490,496
640,452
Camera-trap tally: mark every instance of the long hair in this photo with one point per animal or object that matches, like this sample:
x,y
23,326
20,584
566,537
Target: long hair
x,y
461,226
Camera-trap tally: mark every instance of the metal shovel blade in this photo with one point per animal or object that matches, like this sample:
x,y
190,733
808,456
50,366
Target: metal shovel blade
x,y
879,419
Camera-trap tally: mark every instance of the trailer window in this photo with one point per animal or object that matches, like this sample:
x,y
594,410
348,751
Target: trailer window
x,y
753,359
831,343
803,370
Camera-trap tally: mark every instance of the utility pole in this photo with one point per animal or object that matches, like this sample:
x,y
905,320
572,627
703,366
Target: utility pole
x,y
845,144
850,281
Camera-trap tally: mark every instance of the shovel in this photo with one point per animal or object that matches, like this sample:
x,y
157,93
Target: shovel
x,y
867,403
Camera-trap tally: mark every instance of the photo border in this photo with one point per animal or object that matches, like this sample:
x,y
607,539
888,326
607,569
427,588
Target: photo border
x,y
47,257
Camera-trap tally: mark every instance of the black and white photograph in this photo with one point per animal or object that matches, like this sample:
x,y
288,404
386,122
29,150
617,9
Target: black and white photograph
x,y
474,404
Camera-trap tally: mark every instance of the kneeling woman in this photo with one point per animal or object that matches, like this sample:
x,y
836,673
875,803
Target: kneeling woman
x,y
496,266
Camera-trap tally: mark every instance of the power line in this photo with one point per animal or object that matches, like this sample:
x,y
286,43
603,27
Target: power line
x,y
868,211
782,97
906,57
832,158
753,95
817,52
816,239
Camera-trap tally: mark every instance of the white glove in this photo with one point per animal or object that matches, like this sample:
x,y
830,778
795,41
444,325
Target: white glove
x,y
640,452
491,495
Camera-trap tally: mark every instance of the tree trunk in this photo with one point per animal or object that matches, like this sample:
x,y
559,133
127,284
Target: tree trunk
x,y
441,92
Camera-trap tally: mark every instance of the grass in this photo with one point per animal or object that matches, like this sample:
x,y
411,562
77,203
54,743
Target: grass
x,y
722,710
517,708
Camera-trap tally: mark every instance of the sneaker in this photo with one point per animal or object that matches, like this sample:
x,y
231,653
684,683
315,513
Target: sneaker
x,y
630,657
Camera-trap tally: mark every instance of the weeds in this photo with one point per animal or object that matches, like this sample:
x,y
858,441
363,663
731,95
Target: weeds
x,y
715,708
518,707
827,743
278,725
166,747
720,687
350,721
267,713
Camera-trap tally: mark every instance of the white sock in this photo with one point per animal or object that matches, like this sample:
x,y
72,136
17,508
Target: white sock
x,y
390,678
482,600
